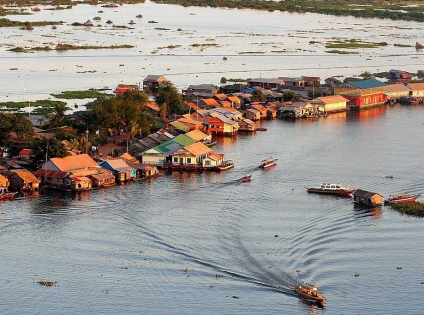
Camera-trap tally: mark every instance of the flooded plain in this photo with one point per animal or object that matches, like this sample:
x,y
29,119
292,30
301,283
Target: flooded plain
x,y
190,45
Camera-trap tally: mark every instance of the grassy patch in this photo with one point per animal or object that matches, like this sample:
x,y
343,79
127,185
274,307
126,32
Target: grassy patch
x,y
341,52
91,93
413,209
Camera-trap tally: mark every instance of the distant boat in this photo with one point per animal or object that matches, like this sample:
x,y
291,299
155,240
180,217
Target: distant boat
x,y
331,189
245,178
310,293
226,165
401,198
268,163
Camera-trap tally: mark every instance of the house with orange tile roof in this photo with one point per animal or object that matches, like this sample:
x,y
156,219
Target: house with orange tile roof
x,y
212,162
153,109
189,158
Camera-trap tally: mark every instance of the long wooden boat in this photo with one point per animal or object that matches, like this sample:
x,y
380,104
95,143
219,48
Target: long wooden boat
x,y
226,165
310,293
245,178
268,163
331,189
401,198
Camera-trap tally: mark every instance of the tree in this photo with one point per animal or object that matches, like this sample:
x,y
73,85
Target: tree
x,y
168,95
258,95
15,123
57,117
223,80
366,75
288,96
44,149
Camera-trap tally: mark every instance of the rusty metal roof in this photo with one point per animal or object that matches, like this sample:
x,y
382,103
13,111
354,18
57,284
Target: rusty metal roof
x,y
74,162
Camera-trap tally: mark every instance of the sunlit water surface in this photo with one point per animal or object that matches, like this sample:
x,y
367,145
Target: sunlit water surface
x,y
211,245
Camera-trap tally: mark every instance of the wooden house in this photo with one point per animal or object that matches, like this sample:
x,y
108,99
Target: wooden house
x,y
143,171
233,88
261,109
268,84
247,125
363,94
367,198
153,109
190,157
416,90
311,81
397,91
80,168
252,114
212,162
122,88
331,104
152,82
396,76
209,103
201,88
25,154
271,112
221,125
298,110
122,171
66,181
159,154
22,180
199,136
332,81
295,82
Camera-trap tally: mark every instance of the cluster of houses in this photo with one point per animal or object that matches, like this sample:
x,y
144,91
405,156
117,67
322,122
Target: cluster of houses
x,y
76,172
184,144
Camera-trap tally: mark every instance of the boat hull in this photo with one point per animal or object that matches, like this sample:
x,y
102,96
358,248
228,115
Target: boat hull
x,y
337,192
401,199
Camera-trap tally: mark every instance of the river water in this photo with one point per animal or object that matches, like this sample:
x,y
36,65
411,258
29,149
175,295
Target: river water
x,y
211,245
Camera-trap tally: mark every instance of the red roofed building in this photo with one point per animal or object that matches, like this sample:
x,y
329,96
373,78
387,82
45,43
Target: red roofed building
x,y
122,88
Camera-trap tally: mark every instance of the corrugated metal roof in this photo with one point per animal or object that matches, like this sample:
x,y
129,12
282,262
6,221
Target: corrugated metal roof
x,y
397,88
50,173
183,140
367,84
416,86
116,163
196,135
332,99
179,125
364,194
27,176
74,162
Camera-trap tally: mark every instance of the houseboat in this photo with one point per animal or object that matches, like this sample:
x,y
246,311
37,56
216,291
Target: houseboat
x,y
367,198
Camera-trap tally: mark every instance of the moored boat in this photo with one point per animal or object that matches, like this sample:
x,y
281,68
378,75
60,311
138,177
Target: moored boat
x,y
310,293
226,165
268,163
331,189
401,198
245,178
5,195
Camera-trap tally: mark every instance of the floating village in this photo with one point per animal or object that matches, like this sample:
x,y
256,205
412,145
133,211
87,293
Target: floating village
x,y
184,146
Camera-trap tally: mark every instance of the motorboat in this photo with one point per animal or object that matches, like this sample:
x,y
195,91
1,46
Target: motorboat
x,y
226,165
245,178
331,189
401,198
310,293
268,163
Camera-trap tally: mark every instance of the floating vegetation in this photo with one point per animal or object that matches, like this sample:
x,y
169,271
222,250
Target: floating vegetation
x,y
152,22
62,46
47,283
26,25
341,52
204,45
91,93
162,29
38,103
251,52
412,209
403,45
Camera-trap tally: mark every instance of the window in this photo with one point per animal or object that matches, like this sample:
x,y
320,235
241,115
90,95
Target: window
x,y
175,159
208,163
188,160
